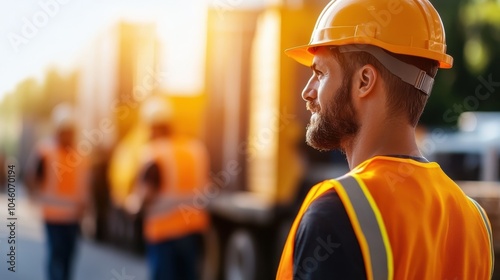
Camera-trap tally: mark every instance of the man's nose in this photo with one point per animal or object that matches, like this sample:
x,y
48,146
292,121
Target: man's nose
x,y
310,91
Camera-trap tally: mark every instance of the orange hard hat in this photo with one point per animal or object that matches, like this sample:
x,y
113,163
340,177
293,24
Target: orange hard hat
x,y
408,27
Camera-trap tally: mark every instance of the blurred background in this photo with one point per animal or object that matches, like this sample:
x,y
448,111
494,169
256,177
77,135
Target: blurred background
x,y
221,63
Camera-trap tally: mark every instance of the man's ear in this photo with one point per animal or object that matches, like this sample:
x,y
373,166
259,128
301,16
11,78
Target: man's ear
x,y
366,78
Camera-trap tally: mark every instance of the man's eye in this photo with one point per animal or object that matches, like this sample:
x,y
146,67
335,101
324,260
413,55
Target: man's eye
x,y
318,74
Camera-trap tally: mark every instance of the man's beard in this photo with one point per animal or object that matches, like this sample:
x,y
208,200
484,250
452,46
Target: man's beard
x,y
335,123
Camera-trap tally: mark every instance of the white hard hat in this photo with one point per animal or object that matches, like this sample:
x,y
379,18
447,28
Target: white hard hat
x,y
156,110
63,116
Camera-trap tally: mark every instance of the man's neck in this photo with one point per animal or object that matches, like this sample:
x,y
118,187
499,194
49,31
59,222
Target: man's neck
x,y
389,138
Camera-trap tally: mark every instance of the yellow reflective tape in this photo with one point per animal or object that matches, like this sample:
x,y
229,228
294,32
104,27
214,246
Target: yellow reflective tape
x,y
365,249
383,230
369,227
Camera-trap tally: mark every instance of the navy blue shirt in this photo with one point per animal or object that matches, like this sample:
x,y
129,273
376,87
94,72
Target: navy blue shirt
x,y
326,246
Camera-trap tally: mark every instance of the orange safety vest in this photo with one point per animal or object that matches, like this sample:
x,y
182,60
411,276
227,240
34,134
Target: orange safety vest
x,y
183,165
64,189
411,222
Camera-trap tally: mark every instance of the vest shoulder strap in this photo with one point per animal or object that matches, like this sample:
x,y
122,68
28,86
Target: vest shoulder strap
x,y
369,227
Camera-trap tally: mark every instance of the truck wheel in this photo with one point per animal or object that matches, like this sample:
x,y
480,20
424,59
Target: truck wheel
x,y
241,256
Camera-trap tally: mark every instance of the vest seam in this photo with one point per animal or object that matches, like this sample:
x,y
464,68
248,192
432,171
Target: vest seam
x,y
484,219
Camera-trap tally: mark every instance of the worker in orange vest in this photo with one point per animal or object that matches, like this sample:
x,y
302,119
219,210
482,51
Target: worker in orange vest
x,y
173,168
395,215
58,178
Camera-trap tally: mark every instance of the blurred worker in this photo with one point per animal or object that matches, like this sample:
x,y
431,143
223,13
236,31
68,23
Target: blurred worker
x,y
394,215
173,168
58,179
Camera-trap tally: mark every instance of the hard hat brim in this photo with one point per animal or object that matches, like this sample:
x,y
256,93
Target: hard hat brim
x,y
301,54
304,56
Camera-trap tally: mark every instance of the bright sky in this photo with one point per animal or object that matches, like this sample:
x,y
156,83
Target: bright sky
x,y
65,27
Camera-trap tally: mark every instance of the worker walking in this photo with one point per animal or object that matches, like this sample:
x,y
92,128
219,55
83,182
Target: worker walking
x,y
394,215
58,179
174,167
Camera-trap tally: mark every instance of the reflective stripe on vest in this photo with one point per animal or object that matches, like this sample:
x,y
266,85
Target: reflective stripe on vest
x,y
54,200
372,234
488,228
166,204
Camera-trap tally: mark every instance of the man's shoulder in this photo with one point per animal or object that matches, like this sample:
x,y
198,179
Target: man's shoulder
x,y
325,236
323,205
322,216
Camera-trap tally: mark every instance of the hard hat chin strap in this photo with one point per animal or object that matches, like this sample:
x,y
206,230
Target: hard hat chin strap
x,y
408,73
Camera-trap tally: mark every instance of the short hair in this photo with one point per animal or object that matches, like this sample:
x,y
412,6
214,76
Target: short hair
x,y
402,98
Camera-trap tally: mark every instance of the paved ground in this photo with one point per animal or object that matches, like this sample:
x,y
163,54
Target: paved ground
x,y
94,261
